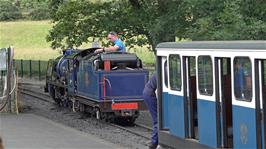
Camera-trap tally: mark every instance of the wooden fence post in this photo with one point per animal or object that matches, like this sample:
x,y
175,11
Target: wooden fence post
x,y
9,77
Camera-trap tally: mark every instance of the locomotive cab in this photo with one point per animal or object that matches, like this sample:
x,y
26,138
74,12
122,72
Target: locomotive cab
x,y
117,61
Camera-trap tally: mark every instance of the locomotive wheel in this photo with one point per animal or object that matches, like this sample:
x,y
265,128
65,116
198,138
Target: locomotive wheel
x,y
81,107
64,103
130,120
104,116
52,93
76,106
97,113
125,121
111,117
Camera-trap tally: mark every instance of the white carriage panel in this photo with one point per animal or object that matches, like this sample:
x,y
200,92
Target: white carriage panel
x,y
232,54
261,85
248,104
174,92
199,95
213,52
205,97
165,88
163,52
241,53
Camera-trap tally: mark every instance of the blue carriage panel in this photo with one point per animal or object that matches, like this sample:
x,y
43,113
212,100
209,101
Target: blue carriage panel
x,y
244,127
207,123
176,115
88,84
165,110
123,85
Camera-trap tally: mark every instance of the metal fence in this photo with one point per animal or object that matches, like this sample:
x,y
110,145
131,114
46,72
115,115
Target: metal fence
x,y
31,68
37,69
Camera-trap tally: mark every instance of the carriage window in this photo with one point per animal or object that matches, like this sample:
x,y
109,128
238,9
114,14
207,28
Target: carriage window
x,y
205,75
175,72
165,74
242,78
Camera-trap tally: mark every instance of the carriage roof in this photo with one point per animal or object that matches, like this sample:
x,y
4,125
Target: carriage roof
x,y
249,45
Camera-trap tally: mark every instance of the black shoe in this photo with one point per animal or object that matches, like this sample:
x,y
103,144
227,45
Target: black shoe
x,y
152,146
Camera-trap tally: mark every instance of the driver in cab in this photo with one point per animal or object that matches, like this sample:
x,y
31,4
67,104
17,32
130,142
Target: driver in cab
x,y
118,44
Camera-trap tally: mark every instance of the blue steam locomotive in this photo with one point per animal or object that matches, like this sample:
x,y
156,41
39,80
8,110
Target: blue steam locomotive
x,y
108,85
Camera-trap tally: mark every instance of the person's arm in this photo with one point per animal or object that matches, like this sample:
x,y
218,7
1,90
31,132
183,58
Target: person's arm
x,y
109,49
112,49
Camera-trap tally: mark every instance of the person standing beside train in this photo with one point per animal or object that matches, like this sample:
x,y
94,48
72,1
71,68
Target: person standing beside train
x,y
118,44
150,99
239,79
1,143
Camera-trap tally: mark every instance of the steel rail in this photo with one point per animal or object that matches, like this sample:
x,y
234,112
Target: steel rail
x,y
130,131
36,95
143,126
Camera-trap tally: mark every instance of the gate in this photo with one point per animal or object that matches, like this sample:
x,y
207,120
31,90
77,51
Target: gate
x,y
7,79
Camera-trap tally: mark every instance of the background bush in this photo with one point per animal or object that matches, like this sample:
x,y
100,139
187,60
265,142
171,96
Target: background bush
x,y
39,13
9,11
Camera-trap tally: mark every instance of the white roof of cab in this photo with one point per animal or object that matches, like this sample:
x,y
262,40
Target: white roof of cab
x,y
248,44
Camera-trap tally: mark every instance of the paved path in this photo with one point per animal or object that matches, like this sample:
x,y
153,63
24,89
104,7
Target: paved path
x,y
28,131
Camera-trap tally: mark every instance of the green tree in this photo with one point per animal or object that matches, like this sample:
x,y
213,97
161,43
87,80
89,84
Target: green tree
x,y
54,5
36,9
139,22
227,20
8,11
149,22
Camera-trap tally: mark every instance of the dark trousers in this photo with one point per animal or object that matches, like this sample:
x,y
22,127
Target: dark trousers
x,y
151,103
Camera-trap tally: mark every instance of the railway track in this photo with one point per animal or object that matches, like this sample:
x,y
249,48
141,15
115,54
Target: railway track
x,y
136,129
35,94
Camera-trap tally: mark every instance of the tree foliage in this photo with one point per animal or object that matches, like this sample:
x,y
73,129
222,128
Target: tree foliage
x,y
24,9
36,9
8,11
148,22
227,20
139,22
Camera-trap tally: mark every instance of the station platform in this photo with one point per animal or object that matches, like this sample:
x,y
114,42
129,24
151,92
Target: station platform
x,y
33,132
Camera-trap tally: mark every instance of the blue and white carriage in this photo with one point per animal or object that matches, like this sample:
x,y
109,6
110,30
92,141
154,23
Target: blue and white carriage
x,y
212,94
